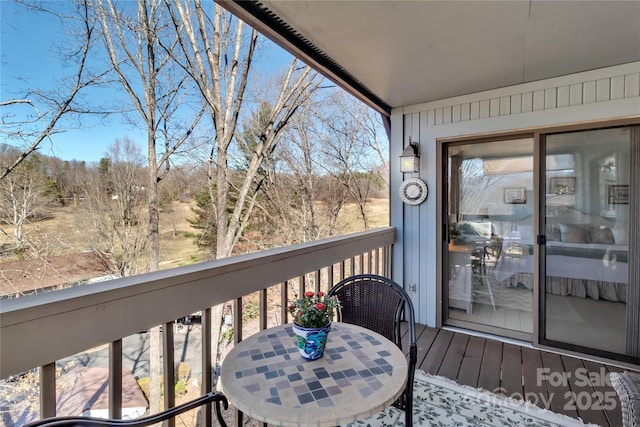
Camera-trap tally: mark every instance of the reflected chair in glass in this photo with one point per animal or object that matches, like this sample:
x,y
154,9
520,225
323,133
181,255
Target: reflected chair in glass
x,y
483,266
213,396
380,304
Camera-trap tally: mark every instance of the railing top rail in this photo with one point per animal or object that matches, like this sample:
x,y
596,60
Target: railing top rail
x,y
72,320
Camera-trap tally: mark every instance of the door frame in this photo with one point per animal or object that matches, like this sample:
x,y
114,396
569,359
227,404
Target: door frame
x,y
538,134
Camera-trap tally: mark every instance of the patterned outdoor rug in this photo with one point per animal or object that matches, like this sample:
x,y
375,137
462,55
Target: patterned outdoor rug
x,y
440,401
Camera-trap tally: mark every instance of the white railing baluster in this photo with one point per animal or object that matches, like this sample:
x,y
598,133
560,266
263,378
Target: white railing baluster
x,y
169,369
48,390
284,301
263,309
115,379
206,382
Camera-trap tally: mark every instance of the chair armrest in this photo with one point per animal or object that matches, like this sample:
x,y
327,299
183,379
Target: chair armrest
x,y
627,386
212,396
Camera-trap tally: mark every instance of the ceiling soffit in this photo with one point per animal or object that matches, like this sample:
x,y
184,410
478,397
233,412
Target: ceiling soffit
x,y
399,53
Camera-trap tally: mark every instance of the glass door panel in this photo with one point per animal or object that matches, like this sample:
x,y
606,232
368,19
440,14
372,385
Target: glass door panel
x,y
489,255
586,208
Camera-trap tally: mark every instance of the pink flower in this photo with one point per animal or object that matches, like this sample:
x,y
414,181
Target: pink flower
x,y
320,306
320,294
309,294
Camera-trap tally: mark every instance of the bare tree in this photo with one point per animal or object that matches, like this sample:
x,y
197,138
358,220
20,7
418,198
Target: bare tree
x,y
21,200
348,134
218,54
139,42
139,45
293,185
331,153
28,128
115,200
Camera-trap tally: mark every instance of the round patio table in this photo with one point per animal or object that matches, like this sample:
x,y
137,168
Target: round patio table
x,y
360,374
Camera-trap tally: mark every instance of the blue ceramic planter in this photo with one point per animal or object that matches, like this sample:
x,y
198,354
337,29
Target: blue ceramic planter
x,y
311,341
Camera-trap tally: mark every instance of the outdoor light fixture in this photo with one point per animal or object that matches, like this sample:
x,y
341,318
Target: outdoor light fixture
x,y
410,159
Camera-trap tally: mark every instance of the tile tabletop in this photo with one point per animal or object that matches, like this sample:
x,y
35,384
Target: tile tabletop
x,y
360,374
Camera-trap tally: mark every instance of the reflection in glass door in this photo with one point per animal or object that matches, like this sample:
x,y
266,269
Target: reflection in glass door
x,y
586,209
489,250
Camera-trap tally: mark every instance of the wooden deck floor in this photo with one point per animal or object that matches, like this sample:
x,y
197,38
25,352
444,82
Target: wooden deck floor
x,y
563,384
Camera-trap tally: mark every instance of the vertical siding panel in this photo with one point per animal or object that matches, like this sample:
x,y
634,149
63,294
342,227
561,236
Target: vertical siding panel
x,y
407,267
414,218
632,85
563,96
575,94
431,117
465,111
516,103
455,113
494,107
527,102
538,100
603,90
446,115
550,98
485,108
505,105
589,92
421,293
396,214
410,217
475,110
415,129
617,87
439,114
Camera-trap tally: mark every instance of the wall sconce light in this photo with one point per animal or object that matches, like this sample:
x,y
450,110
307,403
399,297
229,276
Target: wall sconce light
x,y
410,159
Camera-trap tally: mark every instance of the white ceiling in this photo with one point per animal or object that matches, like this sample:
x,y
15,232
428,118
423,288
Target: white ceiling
x,y
408,52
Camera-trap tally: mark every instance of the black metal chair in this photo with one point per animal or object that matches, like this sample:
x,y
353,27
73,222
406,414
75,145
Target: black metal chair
x,y
380,304
213,396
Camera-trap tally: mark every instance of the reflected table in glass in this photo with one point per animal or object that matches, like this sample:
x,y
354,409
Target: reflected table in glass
x,y
360,374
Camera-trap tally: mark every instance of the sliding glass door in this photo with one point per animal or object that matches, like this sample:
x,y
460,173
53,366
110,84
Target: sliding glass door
x,y
542,239
490,235
587,255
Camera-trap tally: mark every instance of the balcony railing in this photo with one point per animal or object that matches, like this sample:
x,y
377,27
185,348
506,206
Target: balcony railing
x,y
37,331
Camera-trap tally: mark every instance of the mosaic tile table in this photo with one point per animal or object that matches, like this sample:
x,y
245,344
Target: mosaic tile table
x,y
360,374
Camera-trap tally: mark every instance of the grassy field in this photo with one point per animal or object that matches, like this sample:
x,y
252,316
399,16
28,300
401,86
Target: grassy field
x,y
65,232
180,250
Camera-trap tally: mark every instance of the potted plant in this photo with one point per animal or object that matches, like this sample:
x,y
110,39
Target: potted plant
x,y
312,316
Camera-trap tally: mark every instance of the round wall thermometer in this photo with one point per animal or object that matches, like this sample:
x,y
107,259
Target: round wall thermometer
x,y
413,191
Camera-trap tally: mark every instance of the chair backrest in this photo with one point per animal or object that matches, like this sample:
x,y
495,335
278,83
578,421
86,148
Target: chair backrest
x,y
376,303
380,304
213,396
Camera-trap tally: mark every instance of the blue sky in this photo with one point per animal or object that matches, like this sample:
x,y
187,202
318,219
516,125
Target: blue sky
x,y
29,59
